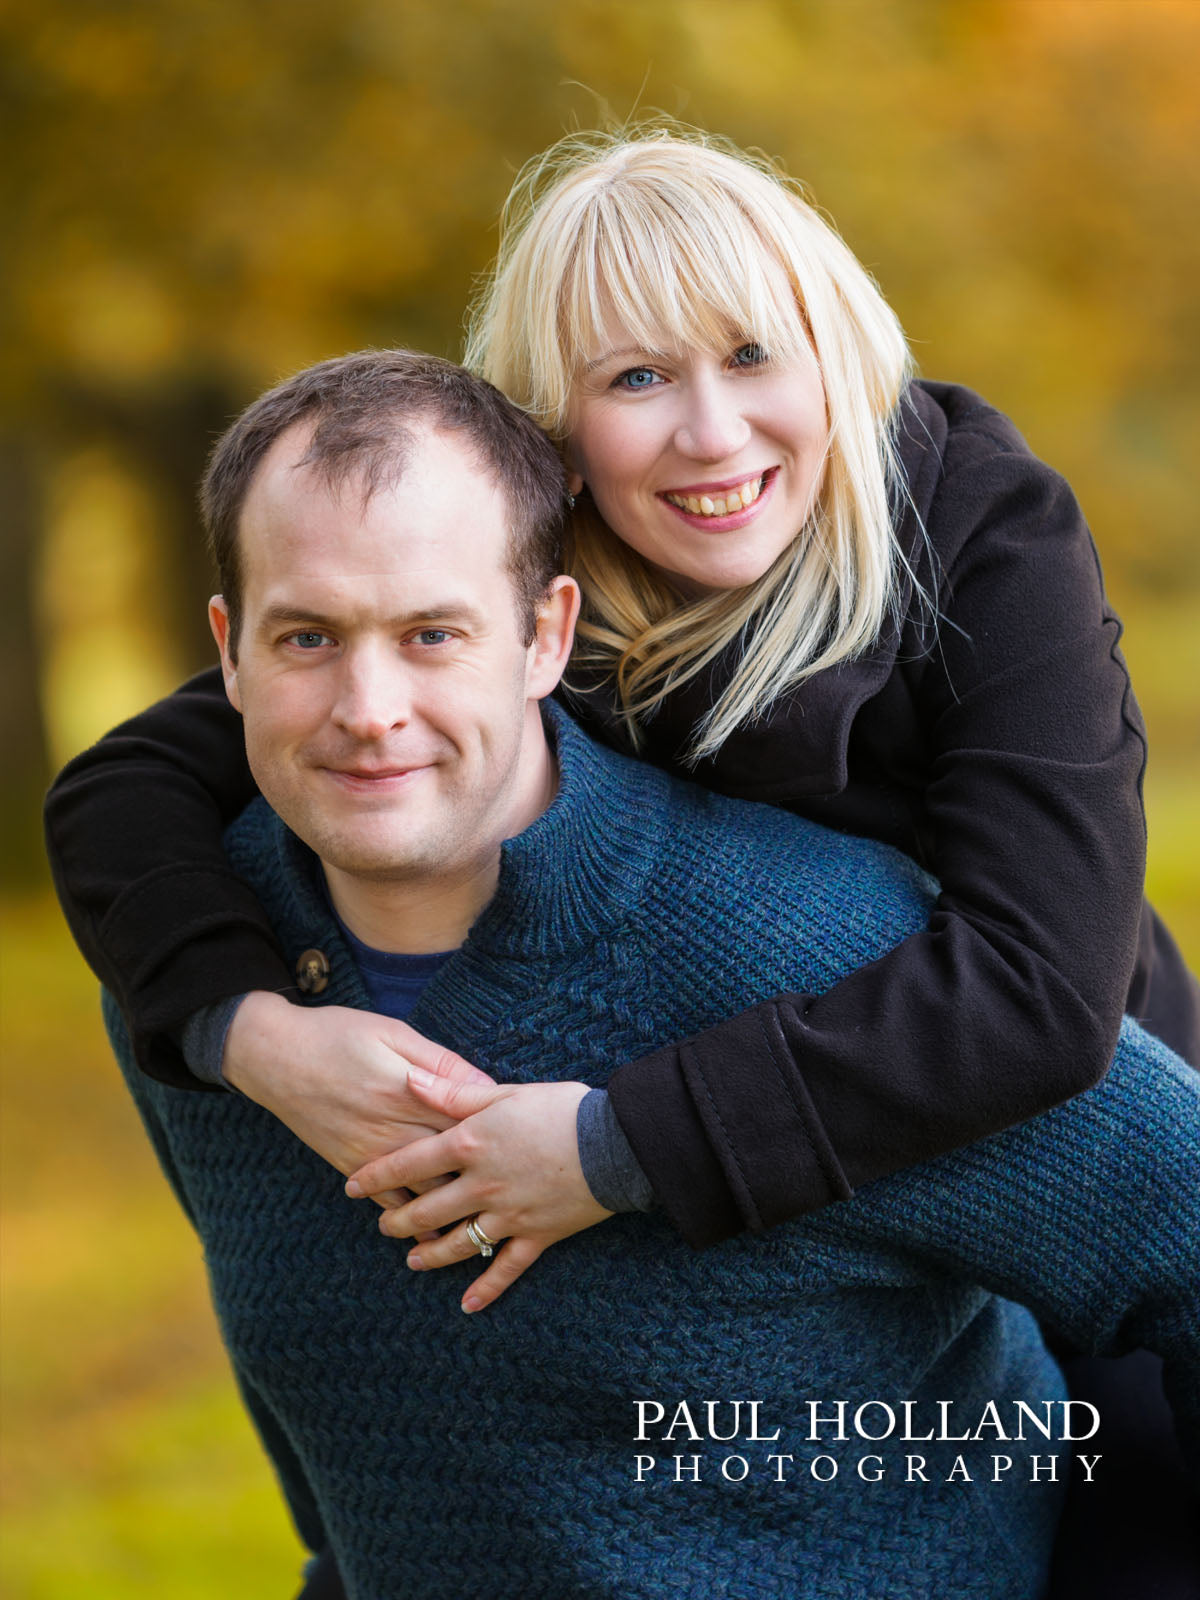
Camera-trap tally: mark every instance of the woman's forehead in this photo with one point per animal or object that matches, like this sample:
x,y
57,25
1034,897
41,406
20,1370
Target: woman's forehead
x,y
666,315
620,332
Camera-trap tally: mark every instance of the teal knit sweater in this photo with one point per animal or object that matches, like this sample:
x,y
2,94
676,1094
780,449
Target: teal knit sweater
x,y
506,1454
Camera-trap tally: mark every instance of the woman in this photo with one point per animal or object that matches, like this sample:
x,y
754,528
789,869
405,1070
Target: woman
x,y
807,580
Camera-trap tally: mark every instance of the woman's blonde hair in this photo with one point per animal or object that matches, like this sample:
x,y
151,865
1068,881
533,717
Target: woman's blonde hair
x,y
675,231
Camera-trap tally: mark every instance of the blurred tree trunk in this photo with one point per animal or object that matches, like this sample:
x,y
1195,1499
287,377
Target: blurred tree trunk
x,y
165,434
172,434
22,728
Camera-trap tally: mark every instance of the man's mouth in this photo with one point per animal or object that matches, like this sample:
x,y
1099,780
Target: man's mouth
x,y
374,780
724,502
370,774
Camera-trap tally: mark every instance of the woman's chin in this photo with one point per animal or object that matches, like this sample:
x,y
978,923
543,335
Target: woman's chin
x,y
704,583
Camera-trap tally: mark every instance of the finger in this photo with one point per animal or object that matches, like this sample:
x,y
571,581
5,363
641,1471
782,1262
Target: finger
x,y
457,1245
450,1097
423,1187
433,1057
413,1164
439,1208
505,1269
399,1197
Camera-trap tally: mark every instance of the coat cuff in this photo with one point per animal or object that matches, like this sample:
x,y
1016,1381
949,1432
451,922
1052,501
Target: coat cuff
x,y
688,1111
222,947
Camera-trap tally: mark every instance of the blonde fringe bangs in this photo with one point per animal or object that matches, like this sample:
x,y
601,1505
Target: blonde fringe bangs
x,y
593,230
670,234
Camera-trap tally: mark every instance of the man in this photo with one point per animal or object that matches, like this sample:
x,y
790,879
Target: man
x,y
839,1406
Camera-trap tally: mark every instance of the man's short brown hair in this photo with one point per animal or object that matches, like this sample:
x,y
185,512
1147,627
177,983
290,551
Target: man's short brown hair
x,y
363,406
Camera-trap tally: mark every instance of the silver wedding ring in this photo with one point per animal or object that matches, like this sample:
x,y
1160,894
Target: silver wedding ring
x,y
479,1239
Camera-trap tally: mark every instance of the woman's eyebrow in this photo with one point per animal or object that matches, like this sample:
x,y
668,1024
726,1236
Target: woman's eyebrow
x,y
637,351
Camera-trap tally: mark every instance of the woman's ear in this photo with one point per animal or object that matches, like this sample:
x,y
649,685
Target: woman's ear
x,y
557,612
574,481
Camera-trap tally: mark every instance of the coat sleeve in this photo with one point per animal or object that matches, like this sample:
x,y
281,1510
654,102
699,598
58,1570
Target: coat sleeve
x,y
1089,1215
1010,1000
160,915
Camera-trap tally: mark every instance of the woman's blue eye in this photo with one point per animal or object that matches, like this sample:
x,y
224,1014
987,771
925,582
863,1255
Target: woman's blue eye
x,y
638,378
750,355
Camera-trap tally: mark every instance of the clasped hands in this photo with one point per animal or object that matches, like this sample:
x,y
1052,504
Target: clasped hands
x,y
511,1160
400,1116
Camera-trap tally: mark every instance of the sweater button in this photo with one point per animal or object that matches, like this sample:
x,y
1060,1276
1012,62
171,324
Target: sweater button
x,y
312,972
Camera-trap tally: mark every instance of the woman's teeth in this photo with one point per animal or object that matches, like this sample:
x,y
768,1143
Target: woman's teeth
x,y
719,505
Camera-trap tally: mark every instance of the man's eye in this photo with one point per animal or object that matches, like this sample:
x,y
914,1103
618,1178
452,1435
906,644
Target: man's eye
x,y
433,636
750,355
309,639
637,378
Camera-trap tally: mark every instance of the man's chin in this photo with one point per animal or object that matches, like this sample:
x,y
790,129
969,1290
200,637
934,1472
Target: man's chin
x,y
379,862
375,847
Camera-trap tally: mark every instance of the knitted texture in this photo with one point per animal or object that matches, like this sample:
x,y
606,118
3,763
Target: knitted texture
x,y
445,1455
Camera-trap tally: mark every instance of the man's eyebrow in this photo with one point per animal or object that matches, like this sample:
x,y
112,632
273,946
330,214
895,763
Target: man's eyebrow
x,y
277,616
283,615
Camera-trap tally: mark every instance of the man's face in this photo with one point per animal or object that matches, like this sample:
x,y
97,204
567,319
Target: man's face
x,y
381,671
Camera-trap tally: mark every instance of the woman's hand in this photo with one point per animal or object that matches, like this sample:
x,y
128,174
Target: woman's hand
x,y
338,1077
515,1154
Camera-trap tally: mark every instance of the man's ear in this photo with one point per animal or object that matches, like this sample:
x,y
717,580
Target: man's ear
x,y
218,621
557,613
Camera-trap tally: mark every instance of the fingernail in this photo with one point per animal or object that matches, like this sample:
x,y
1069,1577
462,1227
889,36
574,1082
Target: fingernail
x,y
354,1189
472,1303
420,1078
415,1262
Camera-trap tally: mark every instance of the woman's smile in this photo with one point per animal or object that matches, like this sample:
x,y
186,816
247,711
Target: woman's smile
x,y
722,507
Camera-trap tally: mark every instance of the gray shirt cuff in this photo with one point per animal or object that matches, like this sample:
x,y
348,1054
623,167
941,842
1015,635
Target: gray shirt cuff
x,y
610,1168
202,1040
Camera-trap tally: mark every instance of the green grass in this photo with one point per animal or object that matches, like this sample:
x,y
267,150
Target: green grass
x,y
1173,866
130,1469
159,1492
1162,646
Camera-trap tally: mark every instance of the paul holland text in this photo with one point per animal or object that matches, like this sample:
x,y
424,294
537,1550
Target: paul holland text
x,y
1001,1439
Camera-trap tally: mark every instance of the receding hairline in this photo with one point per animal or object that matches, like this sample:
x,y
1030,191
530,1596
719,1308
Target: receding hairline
x,y
385,469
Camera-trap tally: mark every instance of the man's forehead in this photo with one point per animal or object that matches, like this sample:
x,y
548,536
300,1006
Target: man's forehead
x,y
441,506
409,446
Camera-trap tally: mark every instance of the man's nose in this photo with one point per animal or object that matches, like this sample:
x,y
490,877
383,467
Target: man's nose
x,y
373,693
713,426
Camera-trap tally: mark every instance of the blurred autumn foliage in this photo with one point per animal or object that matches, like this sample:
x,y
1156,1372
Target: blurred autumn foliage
x,y
202,195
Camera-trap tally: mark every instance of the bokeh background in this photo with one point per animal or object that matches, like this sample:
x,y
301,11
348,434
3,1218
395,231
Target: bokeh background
x,y
203,195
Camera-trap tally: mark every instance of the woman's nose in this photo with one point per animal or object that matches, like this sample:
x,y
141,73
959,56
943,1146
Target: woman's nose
x,y
713,426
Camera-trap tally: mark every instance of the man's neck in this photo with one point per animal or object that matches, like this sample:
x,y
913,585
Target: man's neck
x,y
415,917
432,912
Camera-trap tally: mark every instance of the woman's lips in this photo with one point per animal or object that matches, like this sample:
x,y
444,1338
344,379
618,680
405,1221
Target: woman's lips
x,y
721,507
